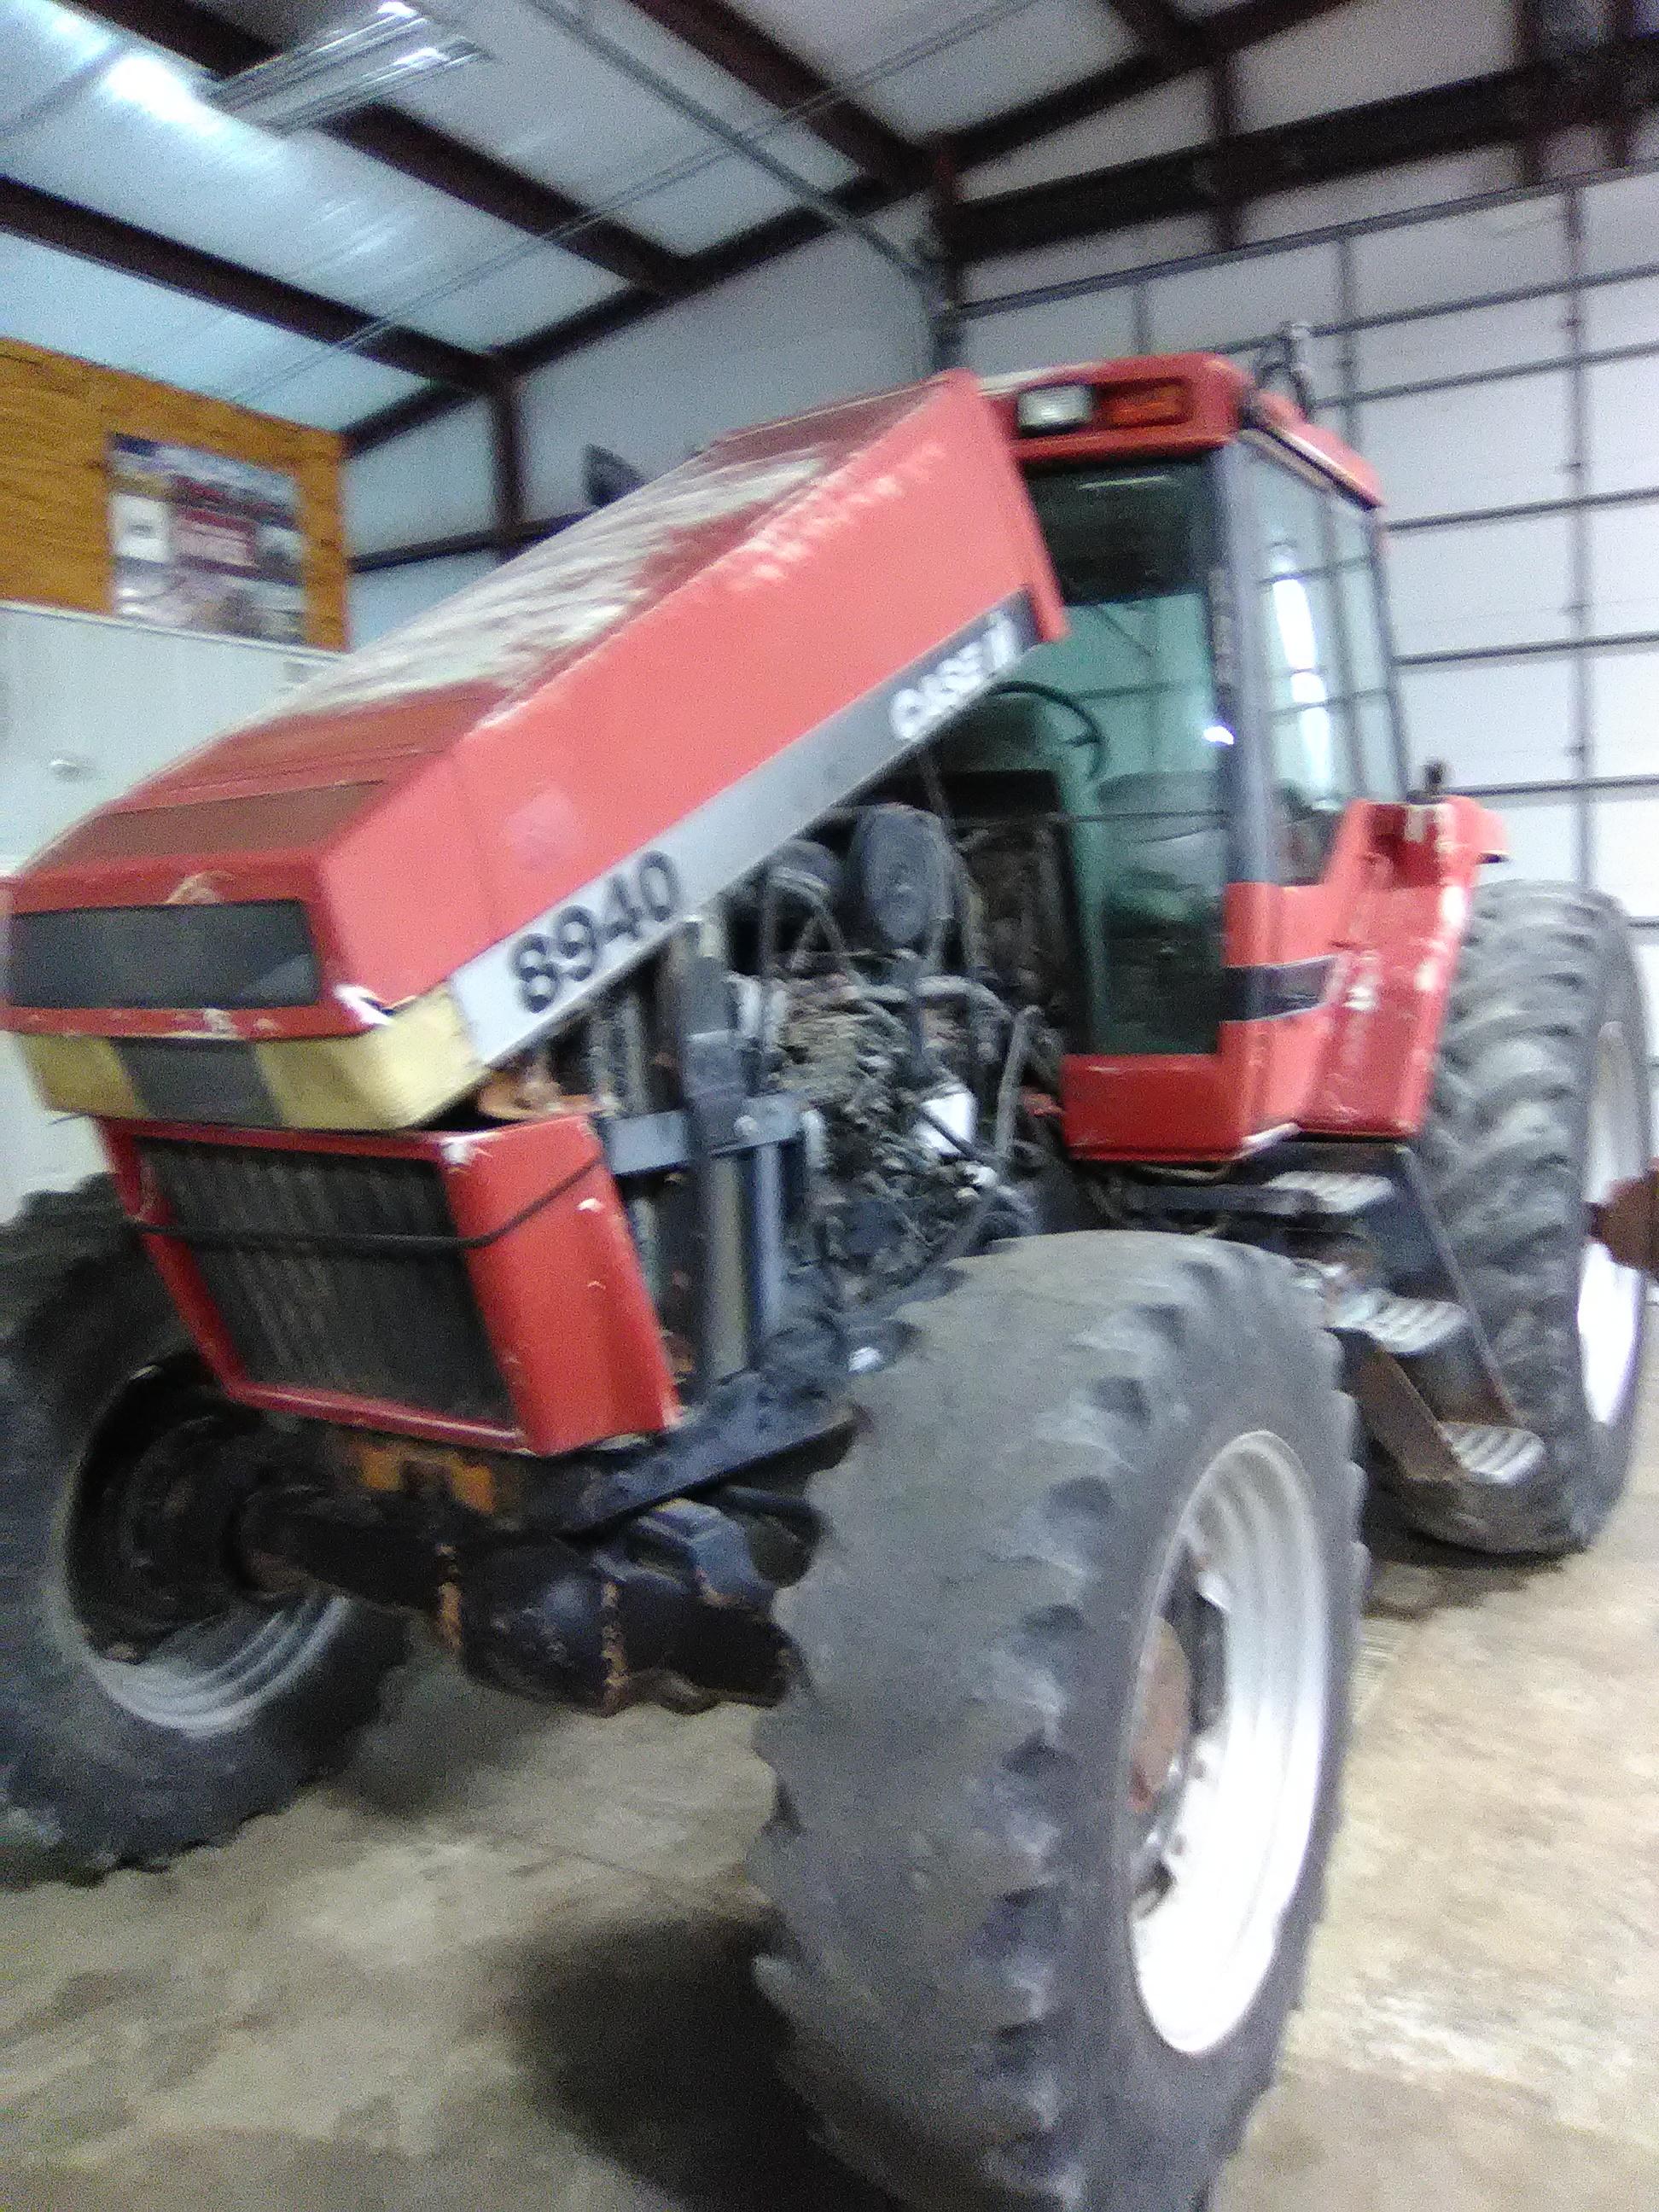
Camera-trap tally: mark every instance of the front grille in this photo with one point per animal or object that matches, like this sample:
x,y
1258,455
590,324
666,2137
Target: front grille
x,y
291,1251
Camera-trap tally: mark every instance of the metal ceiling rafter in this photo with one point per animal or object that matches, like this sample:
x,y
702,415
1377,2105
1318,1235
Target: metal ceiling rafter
x,y
754,60
1161,28
1235,31
1445,119
1224,134
401,141
1622,23
749,145
1245,25
42,218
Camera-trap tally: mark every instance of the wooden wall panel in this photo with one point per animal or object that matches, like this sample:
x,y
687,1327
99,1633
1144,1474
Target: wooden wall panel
x,y
56,417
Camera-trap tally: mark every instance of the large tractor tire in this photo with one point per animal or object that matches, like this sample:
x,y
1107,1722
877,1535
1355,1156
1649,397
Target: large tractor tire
x,y
1539,1104
138,1718
1057,1772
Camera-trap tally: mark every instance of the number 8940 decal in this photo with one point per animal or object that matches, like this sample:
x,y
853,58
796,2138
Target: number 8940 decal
x,y
580,939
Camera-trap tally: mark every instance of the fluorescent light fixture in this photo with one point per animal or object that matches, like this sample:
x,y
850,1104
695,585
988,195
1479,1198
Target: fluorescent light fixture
x,y
146,81
1051,407
358,58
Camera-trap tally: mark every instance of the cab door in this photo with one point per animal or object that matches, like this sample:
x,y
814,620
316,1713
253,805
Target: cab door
x,y
1330,764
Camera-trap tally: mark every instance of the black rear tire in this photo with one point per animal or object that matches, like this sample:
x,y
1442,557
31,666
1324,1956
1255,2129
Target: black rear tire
x,y
110,1762
1545,1001
955,1856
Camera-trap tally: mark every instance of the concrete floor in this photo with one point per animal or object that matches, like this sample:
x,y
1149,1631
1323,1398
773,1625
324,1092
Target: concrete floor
x,y
503,1963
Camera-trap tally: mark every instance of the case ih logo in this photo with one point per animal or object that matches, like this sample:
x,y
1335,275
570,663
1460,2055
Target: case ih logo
x,y
952,682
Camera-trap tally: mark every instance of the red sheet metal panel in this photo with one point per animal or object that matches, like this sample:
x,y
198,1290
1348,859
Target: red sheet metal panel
x,y
540,1227
601,735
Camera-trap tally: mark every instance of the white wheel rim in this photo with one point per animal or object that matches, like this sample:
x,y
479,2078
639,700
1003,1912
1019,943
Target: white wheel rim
x,y
1224,1852
1609,1296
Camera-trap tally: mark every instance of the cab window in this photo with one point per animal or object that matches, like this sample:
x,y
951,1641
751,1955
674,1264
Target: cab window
x,y
1115,737
1330,719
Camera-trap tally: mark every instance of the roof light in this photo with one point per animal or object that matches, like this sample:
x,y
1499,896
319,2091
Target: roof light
x,y
371,50
1045,408
1143,406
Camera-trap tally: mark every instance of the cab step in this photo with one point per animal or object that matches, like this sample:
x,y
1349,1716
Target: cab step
x,y
1410,1328
1497,1458
1328,1194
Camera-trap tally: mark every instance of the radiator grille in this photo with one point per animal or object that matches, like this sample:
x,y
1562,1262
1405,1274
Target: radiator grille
x,y
307,1310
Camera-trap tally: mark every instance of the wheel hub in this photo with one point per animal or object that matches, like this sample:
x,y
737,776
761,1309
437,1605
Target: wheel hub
x,y
149,1571
153,1550
1609,1296
1228,1742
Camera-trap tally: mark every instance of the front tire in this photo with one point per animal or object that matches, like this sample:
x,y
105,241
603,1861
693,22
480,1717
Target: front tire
x,y
116,1744
1057,1774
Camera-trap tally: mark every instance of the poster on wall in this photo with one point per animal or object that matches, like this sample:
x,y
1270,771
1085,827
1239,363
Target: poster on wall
x,y
199,542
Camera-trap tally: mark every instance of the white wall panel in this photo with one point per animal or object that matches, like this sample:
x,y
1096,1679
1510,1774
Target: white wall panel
x,y
1084,257
1094,327
1380,47
1481,584
437,480
1501,721
1462,255
1624,692
1465,344
1625,568
1543,840
1355,199
1627,860
828,322
1621,222
1159,122
1622,314
381,602
1624,424
1443,452
1233,300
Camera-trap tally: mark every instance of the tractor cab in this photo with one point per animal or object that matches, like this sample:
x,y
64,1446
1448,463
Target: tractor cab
x,y
1172,774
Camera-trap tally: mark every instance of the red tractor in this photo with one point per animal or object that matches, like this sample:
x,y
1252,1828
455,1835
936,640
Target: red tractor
x,y
829,1091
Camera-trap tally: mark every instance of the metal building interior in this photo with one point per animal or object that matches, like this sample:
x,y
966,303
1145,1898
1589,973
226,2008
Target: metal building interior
x,y
501,1957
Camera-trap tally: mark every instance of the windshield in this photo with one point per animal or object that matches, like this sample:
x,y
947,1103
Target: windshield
x,y
1114,732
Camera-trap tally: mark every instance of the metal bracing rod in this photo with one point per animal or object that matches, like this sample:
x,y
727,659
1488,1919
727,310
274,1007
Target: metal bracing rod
x,y
1560,648
1567,786
1577,610
573,19
1526,510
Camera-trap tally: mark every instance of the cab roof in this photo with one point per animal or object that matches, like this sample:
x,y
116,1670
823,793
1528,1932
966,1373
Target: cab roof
x,y
1174,403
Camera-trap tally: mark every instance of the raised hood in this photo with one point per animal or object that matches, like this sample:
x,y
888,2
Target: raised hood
x,y
438,849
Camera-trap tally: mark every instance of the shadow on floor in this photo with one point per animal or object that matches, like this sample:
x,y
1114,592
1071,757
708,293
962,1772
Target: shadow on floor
x,y
650,2042
1413,1576
439,1734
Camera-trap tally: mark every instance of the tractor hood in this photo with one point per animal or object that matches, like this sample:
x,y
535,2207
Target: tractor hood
x,y
341,914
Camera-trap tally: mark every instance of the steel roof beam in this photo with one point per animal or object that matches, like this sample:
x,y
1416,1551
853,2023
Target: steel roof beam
x,y
1248,23
45,220
1161,28
754,60
1446,118
401,142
